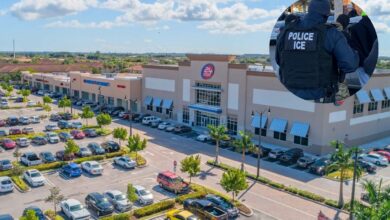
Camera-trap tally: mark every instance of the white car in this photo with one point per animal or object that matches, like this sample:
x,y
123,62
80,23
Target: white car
x,y
22,142
203,137
374,158
52,137
145,197
118,200
4,104
170,128
30,159
76,125
92,167
34,178
24,120
74,210
125,162
40,92
52,127
150,119
35,119
163,125
31,103
6,184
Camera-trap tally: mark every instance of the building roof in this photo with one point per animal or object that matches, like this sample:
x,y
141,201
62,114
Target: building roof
x,y
211,57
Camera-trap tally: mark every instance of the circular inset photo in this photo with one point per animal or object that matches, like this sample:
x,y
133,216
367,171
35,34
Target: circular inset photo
x,y
324,50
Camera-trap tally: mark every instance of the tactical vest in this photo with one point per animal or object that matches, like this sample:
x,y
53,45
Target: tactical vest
x,y
304,62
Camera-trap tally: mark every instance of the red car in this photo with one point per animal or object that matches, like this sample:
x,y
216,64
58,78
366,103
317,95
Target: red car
x,y
3,123
8,144
171,182
14,131
383,154
77,134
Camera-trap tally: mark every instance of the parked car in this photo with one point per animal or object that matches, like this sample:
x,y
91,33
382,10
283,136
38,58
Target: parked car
x,y
6,184
47,157
204,209
125,162
64,124
179,129
2,123
76,125
224,205
52,127
74,210
19,99
203,137
99,203
55,117
170,128
5,165
39,140
140,117
163,125
24,120
305,162
374,158
145,197
12,121
383,153
71,170
96,149
66,116
176,214
14,131
60,155
52,137
275,154
8,144
77,134
149,119
31,103
110,146
291,156
22,142
28,130
90,132
34,178
35,119
30,159
171,182
319,166
118,200
367,166
38,212
3,133
92,167
84,152
40,92
65,136
154,124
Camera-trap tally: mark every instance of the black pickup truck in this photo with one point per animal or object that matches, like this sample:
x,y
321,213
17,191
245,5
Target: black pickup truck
x,y
204,209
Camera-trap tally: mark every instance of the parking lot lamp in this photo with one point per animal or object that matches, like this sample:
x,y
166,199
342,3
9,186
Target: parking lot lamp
x,y
100,96
259,147
70,94
355,151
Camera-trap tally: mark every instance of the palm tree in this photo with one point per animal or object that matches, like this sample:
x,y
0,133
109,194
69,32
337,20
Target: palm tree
x,y
379,199
244,143
217,133
342,162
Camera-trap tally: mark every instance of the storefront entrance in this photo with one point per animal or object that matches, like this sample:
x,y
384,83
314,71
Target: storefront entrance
x,y
204,119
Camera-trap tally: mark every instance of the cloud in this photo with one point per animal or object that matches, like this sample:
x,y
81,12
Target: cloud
x,y
3,12
32,9
236,27
159,28
148,41
78,24
382,27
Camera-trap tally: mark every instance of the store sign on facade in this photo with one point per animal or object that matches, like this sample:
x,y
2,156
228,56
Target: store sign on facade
x,y
207,71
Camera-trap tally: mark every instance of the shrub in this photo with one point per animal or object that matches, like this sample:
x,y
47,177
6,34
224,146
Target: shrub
x,y
139,159
20,183
115,154
29,136
52,215
154,208
194,195
48,166
103,131
83,159
291,190
311,196
277,185
131,195
332,203
122,216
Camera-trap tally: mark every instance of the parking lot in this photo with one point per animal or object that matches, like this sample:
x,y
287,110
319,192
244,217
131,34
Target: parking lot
x,y
169,146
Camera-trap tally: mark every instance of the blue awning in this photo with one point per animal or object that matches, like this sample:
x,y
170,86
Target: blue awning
x,y
377,94
363,97
148,100
206,108
279,125
157,102
387,92
256,121
300,129
167,103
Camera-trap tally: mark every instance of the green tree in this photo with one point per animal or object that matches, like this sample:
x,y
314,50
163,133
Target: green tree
x,y
103,119
191,165
120,133
9,89
46,99
64,103
135,144
55,197
25,93
71,147
87,114
343,163
217,133
244,143
47,108
17,170
30,215
131,195
234,181
379,200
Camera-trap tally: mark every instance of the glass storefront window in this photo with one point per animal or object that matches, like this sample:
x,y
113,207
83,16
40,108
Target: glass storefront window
x,y
301,140
110,101
159,109
118,102
372,106
207,97
186,115
386,104
204,119
232,124
149,107
357,108
84,95
280,135
263,131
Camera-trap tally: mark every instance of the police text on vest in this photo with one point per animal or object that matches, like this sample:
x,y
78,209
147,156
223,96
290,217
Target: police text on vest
x,y
300,39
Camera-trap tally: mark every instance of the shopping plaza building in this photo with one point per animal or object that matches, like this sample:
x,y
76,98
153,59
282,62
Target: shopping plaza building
x,y
211,89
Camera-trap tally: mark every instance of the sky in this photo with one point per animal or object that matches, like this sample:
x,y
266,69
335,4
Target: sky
x,y
160,26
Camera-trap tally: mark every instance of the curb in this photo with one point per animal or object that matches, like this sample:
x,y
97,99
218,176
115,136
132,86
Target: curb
x,y
19,189
245,214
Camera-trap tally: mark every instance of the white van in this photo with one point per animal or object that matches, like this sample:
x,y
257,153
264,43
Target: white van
x,y
150,119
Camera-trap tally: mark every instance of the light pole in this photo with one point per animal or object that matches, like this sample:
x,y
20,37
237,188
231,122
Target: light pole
x,y
70,94
356,150
129,112
259,147
100,96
